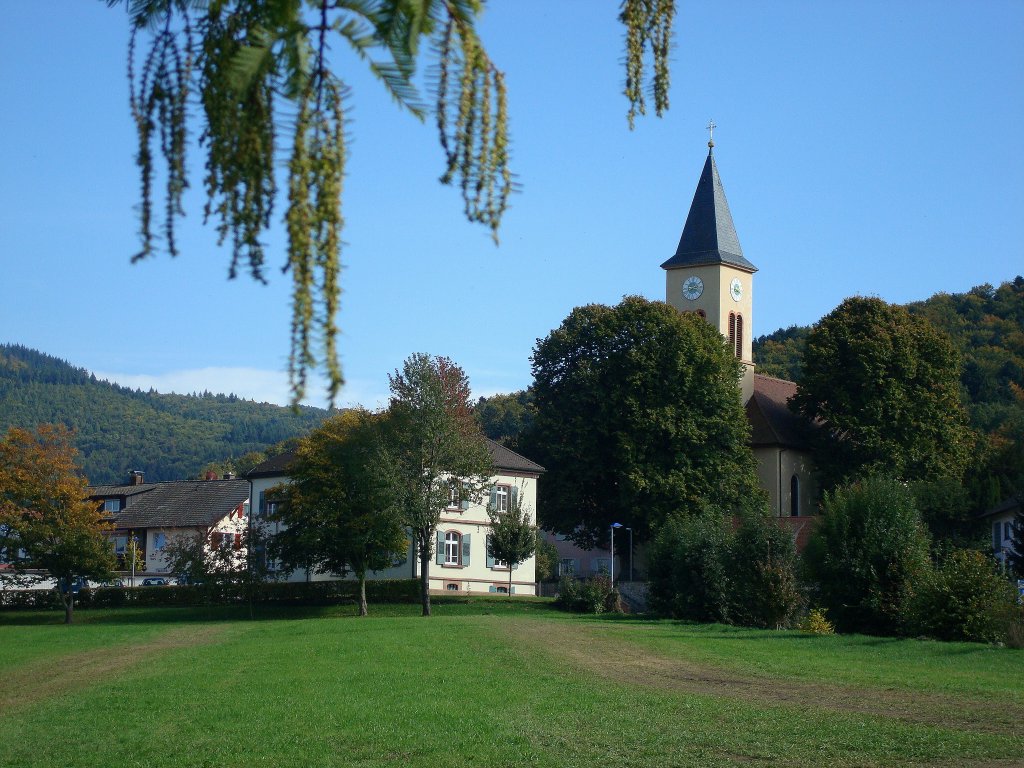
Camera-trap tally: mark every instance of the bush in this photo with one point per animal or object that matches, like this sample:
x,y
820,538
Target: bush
x,y
866,554
688,578
594,595
703,571
964,597
815,623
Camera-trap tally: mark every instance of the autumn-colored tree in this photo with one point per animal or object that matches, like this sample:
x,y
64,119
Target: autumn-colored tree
x,y
437,442
48,527
343,509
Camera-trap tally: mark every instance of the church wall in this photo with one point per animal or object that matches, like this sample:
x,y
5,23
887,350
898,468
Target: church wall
x,y
775,469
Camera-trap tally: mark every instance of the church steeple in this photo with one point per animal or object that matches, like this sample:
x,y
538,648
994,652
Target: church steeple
x,y
709,236
709,274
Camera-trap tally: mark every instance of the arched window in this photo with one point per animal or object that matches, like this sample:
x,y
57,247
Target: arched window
x,y
732,330
739,336
452,547
703,315
794,496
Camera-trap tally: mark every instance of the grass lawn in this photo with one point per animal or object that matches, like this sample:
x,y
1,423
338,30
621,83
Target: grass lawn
x,y
489,682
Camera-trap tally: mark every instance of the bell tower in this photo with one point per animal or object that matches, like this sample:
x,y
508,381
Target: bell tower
x,y
708,273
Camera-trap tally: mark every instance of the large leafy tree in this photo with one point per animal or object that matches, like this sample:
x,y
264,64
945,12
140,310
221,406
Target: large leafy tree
x,y
883,386
342,510
263,68
47,527
638,415
438,444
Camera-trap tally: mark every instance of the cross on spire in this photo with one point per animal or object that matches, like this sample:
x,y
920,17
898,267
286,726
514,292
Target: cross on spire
x,y
711,133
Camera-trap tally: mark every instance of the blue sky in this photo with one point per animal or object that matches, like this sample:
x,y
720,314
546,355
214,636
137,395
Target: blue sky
x,y
866,148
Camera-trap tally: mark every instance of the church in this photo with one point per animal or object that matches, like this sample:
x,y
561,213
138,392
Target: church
x,y
709,275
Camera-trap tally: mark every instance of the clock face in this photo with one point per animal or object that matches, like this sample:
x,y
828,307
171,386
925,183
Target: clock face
x,y
693,287
736,289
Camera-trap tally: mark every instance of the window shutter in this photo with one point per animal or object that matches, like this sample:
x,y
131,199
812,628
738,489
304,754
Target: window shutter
x,y
575,565
515,566
492,588
464,496
439,549
494,497
263,503
513,494
512,590
490,558
464,560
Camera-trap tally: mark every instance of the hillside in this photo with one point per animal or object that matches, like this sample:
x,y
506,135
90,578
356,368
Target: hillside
x,y
169,437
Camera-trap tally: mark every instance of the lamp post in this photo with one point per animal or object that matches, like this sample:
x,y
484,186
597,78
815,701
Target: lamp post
x,y
614,526
135,544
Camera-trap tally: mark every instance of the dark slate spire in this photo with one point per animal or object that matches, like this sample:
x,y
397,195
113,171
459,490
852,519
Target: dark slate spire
x,y
709,236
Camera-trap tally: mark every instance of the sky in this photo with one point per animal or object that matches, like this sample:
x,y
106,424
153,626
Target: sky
x,y
867,148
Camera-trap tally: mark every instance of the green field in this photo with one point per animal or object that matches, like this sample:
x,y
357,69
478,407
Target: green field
x,y
489,683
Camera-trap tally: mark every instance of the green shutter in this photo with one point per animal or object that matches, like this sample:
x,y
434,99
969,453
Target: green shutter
x,y
494,497
513,494
492,588
464,496
465,549
263,503
512,590
439,549
490,557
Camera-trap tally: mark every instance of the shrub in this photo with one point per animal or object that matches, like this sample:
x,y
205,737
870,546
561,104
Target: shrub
x,y
815,623
866,553
964,597
688,578
594,595
762,570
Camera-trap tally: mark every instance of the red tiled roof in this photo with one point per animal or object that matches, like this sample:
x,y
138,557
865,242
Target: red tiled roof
x,y
771,420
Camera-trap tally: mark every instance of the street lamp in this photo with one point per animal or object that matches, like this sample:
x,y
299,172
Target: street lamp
x,y
135,545
614,526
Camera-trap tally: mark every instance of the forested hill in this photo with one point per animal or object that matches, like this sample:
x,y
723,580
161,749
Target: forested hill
x,y
986,324
169,437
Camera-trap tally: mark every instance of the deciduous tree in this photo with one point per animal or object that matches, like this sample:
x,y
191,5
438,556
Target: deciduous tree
x,y
262,68
513,536
638,415
50,529
884,387
343,510
437,442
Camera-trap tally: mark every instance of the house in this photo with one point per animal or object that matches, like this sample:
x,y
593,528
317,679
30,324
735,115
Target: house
x,y
1001,522
155,514
461,563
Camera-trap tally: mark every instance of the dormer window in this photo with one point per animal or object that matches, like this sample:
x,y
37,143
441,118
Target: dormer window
x,y
111,505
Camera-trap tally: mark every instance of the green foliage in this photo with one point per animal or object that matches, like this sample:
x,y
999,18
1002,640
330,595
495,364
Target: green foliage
x,y
816,623
593,595
1015,558
702,570
47,526
118,429
637,417
947,511
883,386
546,562
513,536
648,23
503,418
435,439
867,553
343,509
965,597
781,353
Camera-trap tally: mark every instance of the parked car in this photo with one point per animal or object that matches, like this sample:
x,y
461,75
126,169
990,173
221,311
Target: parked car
x,y
155,581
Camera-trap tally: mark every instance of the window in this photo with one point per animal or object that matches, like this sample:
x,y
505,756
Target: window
x,y
159,541
568,566
602,564
501,495
111,505
494,562
732,330
1007,531
794,496
702,314
739,337
454,495
451,586
452,542
120,545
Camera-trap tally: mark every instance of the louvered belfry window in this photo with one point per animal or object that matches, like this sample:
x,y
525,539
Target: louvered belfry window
x,y
739,337
732,330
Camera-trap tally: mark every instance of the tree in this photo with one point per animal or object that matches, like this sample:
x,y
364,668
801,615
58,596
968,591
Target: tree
x,y
866,554
638,415
259,68
343,509
45,514
1015,558
504,418
437,443
546,562
513,537
884,387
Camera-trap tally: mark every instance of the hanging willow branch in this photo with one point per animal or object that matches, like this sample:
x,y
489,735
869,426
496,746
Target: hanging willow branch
x,y
647,22
472,120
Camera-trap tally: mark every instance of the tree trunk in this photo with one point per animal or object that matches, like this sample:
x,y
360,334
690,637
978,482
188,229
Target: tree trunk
x,y
69,606
425,579
510,580
362,594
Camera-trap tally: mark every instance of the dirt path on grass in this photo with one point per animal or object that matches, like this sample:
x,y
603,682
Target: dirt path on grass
x,y
601,652
43,678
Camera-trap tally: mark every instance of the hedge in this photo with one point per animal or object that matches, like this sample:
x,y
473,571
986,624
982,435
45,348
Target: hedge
x,y
279,593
